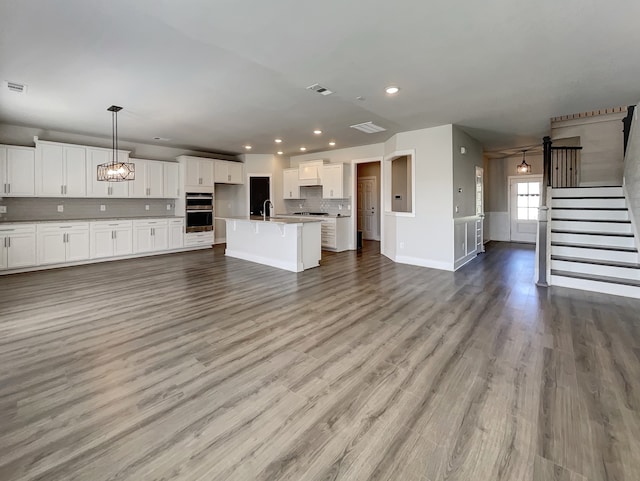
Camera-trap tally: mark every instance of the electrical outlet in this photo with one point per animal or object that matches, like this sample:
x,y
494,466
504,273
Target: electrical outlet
x,y
457,209
3,209
103,207
61,208
300,206
168,206
146,207
340,207
349,207
401,245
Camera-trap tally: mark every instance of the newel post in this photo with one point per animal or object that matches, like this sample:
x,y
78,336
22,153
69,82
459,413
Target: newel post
x,y
543,213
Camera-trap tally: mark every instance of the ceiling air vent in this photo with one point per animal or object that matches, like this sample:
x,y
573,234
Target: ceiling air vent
x,y
319,89
16,87
368,128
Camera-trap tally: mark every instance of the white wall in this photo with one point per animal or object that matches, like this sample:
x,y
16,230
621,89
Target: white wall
x,y
632,174
601,139
426,238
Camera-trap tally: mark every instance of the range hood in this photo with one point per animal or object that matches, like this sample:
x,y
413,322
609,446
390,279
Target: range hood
x,y
310,173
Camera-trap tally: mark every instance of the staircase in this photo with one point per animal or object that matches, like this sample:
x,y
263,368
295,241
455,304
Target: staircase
x,y
592,242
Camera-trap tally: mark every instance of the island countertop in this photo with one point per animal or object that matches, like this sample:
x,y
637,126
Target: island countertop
x,y
272,220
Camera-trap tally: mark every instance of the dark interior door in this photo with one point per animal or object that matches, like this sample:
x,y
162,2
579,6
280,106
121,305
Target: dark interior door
x,y
258,193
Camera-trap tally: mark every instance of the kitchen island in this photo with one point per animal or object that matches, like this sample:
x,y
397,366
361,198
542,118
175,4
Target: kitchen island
x,y
285,243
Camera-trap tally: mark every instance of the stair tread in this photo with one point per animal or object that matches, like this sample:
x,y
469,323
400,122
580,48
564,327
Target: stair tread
x,y
599,197
596,278
612,221
611,234
595,246
590,187
592,208
597,262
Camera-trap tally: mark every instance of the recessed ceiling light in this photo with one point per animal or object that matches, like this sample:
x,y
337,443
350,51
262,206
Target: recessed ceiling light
x,y
280,152
278,141
248,147
317,132
332,144
392,90
303,148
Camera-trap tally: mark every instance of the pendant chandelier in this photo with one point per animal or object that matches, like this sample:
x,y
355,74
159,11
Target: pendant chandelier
x,y
523,168
116,171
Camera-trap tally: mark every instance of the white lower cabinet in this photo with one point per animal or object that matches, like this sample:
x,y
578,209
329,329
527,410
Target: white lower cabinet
x,y
150,235
62,242
17,246
335,233
111,239
176,233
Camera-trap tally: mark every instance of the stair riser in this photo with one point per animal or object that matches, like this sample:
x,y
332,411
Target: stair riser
x,y
599,254
594,203
595,286
585,226
599,240
590,214
588,192
609,271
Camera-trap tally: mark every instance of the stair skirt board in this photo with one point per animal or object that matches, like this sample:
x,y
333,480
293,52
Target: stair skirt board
x,y
613,255
588,192
620,227
591,214
586,202
593,239
595,286
624,273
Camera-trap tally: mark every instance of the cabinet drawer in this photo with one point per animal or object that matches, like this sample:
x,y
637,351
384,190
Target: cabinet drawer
x,y
110,225
150,223
17,229
176,221
66,227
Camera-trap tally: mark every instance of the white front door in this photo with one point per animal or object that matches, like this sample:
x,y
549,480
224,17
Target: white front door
x,y
368,208
524,200
480,209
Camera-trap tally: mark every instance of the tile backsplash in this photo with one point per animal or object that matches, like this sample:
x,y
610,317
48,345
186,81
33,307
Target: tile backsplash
x,y
41,208
313,202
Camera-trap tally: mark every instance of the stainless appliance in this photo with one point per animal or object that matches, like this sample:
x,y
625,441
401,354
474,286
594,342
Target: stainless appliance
x,y
199,212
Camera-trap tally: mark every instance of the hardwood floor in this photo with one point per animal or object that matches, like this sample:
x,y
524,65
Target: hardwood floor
x,y
199,367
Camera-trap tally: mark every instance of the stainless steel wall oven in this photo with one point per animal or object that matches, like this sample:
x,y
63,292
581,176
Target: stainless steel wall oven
x,y
199,213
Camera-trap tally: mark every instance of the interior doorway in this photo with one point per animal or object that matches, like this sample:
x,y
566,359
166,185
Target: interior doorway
x,y
524,201
368,200
259,191
480,209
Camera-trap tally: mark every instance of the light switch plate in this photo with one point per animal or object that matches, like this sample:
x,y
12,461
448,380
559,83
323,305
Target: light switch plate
x,y
103,207
3,209
61,208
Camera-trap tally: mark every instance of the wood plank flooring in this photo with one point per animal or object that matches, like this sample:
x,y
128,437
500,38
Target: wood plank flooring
x,y
200,367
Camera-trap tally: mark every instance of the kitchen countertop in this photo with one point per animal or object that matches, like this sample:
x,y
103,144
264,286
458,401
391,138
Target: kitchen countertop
x,y
101,219
330,216
277,219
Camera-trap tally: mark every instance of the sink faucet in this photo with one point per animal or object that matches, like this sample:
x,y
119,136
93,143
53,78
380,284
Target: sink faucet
x,y
264,209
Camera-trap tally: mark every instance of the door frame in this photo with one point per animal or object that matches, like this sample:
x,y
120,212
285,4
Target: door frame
x,y
510,179
377,238
248,197
354,200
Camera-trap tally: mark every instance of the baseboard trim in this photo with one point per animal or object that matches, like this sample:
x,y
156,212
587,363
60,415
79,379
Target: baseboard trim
x,y
420,262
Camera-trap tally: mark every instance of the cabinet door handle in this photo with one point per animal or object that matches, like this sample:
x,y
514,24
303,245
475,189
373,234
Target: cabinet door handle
x,y
8,192
8,241
229,177
62,189
65,190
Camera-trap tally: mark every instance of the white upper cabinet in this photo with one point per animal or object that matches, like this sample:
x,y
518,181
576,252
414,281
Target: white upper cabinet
x,y
149,181
96,188
290,184
17,171
199,173
334,181
172,184
61,170
227,172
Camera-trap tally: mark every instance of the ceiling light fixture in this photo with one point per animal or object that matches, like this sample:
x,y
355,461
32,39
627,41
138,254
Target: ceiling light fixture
x,y
317,132
248,147
303,148
332,144
523,168
278,141
280,152
392,90
115,171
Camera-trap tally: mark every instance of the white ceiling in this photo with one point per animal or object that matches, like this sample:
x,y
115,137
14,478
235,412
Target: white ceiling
x,y
219,74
